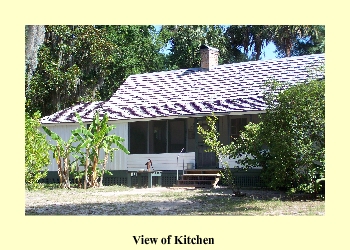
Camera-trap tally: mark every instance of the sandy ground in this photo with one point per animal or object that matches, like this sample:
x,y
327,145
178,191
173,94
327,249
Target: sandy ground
x,y
149,201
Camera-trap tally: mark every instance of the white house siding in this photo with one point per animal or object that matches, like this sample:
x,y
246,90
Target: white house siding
x,y
119,161
165,161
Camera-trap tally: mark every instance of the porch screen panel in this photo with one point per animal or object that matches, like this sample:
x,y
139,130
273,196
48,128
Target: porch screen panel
x,y
158,140
237,124
138,137
177,136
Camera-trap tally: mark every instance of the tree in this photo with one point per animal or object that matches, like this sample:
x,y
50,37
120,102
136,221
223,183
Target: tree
x,y
295,158
249,38
185,41
34,37
72,67
136,51
286,36
312,44
84,63
36,152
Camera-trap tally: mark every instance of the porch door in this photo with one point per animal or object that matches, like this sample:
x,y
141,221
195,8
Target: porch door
x,y
204,160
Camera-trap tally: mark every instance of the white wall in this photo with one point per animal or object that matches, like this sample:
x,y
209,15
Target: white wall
x,y
166,161
120,158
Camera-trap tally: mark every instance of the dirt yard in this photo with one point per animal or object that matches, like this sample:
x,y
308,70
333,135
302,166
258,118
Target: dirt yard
x,y
116,200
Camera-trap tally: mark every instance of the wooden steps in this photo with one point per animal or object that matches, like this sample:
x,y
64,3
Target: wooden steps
x,y
204,178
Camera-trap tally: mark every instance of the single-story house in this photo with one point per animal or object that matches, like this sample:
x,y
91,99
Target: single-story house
x,y
157,113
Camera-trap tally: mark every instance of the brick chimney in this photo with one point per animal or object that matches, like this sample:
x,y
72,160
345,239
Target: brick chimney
x,y
209,57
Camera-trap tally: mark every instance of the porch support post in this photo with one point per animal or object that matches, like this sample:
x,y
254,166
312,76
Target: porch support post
x,y
196,142
149,177
148,140
167,136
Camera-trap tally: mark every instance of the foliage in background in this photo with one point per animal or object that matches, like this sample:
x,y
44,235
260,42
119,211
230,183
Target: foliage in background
x,y
73,64
84,63
248,38
297,40
36,152
136,51
313,44
185,40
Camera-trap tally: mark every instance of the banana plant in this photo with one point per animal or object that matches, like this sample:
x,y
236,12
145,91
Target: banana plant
x,y
61,152
108,148
93,140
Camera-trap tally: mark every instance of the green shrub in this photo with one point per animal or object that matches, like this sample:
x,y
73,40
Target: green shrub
x,y
36,152
289,142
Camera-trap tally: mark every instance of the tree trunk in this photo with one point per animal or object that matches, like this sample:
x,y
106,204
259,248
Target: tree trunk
x,y
94,182
59,166
94,172
104,168
288,47
34,37
86,168
66,172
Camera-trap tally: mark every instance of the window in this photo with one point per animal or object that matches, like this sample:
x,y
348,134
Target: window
x,y
237,124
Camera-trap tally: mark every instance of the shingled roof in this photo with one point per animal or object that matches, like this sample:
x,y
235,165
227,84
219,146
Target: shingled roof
x,y
227,88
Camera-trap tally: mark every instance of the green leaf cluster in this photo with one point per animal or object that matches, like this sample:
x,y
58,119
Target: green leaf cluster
x,y
293,131
36,152
72,64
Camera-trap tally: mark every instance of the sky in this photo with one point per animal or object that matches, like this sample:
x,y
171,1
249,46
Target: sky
x,y
267,52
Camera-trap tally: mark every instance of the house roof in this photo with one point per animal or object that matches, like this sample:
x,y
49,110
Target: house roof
x,y
227,88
